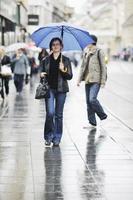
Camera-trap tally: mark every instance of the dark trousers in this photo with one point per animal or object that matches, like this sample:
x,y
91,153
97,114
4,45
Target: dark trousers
x,y
93,105
4,86
54,116
18,81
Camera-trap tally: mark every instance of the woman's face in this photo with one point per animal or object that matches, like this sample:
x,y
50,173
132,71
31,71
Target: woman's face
x,y
56,46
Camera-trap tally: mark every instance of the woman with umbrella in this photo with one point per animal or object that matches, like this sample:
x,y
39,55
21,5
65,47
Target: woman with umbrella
x,y
57,69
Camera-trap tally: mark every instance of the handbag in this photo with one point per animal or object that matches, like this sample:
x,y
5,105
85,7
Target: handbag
x,y
6,70
1,88
42,90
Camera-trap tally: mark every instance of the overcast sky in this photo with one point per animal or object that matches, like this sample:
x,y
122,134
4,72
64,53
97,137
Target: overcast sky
x,y
77,4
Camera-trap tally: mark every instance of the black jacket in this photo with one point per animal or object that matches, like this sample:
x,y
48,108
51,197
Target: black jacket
x,y
5,60
62,77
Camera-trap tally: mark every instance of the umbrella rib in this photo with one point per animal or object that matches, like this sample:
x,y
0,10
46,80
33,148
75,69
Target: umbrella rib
x,y
74,37
43,38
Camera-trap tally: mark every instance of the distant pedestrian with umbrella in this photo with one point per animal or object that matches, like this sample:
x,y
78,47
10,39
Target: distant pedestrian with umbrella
x,y
21,64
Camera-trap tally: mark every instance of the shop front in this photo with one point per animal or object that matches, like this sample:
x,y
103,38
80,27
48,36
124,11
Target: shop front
x,y
8,10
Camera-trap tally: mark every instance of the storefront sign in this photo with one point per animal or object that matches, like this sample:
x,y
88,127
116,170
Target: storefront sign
x,y
33,19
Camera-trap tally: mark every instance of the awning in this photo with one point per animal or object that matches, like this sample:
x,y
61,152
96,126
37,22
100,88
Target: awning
x,y
8,25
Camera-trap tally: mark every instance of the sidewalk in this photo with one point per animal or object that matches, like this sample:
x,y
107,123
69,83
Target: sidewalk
x,y
88,165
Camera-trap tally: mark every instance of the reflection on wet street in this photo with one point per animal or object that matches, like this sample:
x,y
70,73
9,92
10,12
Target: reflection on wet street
x,y
93,164
53,170
90,187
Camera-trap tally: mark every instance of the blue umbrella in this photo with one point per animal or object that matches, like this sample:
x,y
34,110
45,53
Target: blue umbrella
x,y
73,38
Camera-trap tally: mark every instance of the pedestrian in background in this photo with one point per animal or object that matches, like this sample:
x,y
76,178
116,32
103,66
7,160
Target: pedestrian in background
x,y
57,69
94,72
4,60
42,55
32,64
20,69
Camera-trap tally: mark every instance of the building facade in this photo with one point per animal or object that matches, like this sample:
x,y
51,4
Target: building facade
x,y
8,12
42,12
115,19
22,21
39,13
108,18
58,10
127,27
13,21
111,21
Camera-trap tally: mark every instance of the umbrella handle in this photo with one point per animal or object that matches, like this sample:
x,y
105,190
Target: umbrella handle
x,y
61,58
61,61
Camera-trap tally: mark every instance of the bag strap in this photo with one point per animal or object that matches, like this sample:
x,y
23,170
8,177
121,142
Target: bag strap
x,y
99,59
100,64
86,66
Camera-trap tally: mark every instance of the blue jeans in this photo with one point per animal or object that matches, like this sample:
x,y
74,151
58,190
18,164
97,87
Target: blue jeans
x,y
54,116
93,105
18,81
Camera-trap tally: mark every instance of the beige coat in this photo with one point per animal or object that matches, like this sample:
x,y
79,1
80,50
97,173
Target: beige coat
x,y
92,72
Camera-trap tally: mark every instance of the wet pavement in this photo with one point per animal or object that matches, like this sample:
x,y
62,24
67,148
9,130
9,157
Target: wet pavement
x,y
89,164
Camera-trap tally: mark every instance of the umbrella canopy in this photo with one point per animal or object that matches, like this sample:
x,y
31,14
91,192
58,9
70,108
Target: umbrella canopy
x,y
73,38
16,46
